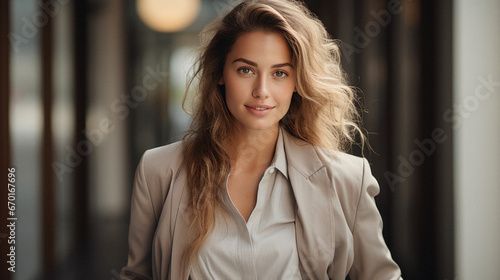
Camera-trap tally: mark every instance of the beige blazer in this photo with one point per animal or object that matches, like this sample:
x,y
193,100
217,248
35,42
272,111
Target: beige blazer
x,y
338,226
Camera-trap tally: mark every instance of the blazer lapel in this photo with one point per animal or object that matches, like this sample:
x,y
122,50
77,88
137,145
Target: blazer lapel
x,y
177,203
314,219
182,237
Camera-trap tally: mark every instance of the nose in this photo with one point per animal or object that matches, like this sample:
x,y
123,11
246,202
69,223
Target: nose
x,y
261,89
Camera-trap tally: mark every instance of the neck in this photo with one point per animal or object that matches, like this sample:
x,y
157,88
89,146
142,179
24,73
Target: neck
x,y
253,149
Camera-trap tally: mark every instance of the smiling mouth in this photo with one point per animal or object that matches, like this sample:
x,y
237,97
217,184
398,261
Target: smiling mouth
x,y
259,108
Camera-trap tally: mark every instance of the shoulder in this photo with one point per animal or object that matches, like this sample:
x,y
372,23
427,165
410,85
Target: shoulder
x,y
308,159
352,173
154,175
162,157
348,177
348,174
161,164
351,181
343,165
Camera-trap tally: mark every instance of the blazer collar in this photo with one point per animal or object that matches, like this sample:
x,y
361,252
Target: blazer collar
x,y
302,156
279,159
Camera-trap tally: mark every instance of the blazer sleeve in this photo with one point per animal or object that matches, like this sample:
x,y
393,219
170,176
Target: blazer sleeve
x,y
372,258
143,224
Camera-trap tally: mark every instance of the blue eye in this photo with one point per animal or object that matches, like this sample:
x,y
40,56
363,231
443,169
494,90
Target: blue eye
x,y
280,74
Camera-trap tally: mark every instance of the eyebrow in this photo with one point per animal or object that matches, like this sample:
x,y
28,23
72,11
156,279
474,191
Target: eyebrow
x,y
255,64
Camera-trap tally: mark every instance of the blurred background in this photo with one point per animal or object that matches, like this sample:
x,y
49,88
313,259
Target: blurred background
x,y
87,86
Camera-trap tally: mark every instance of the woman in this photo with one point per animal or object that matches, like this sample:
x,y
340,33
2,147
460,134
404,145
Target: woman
x,y
260,188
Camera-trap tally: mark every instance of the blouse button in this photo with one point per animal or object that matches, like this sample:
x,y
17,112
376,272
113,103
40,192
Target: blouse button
x,y
271,170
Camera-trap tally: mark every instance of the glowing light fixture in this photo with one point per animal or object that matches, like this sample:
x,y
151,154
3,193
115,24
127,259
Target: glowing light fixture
x,y
168,15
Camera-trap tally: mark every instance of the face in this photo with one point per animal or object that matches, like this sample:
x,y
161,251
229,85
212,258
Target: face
x,y
259,80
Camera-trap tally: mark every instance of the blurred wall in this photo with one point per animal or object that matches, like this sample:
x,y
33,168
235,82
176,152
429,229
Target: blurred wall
x,y
476,118
105,127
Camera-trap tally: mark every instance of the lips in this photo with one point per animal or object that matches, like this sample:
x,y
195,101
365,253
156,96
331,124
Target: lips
x,y
259,109
259,106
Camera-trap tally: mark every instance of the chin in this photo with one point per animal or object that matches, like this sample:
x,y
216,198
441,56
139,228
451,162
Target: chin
x,y
257,125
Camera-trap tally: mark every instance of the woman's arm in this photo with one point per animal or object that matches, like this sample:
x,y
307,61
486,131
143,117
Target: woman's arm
x,y
372,258
143,224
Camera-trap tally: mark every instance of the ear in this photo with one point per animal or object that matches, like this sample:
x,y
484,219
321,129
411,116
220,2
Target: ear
x,y
221,81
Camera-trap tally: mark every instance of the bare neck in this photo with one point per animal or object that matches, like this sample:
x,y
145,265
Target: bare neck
x,y
253,150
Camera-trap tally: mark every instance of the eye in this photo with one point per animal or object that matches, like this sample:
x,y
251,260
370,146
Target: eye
x,y
280,74
244,70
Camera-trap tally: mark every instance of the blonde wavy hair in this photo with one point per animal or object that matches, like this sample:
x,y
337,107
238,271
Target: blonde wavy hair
x,y
322,111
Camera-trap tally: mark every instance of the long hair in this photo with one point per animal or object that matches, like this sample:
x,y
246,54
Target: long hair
x,y
322,111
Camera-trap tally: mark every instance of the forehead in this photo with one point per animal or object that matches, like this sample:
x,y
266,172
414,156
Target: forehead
x,y
262,47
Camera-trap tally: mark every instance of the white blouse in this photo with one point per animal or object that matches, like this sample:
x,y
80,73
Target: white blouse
x,y
265,246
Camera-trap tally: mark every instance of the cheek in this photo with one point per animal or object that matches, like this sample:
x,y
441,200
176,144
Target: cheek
x,y
288,89
234,96
287,101
286,96
237,90
232,92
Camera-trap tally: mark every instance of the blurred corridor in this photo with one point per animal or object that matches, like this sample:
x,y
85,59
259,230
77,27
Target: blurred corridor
x,y
87,86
